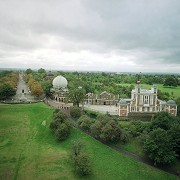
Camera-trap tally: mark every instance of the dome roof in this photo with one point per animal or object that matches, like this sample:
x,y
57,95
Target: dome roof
x,y
171,102
59,82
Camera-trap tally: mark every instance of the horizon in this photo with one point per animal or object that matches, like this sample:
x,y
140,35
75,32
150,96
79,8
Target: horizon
x,y
118,36
84,71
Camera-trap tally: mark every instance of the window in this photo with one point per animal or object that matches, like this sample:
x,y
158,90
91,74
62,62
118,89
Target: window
x,y
146,99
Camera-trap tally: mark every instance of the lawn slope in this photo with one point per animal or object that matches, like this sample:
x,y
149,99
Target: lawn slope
x,y
29,151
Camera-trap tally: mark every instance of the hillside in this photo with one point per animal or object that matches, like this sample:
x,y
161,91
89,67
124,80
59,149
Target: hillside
x,y
28,150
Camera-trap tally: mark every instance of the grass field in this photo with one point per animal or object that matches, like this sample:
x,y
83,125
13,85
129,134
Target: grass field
x,y
175,90
28,150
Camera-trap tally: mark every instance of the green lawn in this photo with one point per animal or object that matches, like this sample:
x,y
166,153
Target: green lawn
x,y
175,90
28,150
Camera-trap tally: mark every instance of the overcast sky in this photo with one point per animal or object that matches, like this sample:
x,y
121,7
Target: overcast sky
x,y
91,35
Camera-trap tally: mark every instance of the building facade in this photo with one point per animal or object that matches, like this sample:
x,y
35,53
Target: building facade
x,y
104,98
145,101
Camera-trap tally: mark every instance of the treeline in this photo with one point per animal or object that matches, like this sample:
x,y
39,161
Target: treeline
x,y
34,86
110,82
38,82
8,84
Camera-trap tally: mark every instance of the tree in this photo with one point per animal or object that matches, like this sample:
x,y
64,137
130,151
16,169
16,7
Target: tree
x,y
59,125
82,164
178,106
171,81
163,120
62,132
28,71
174,133
75,112
81,159
77,148
6,91
158,147
111,132
85,122
76,95
41,70
36,89
96,129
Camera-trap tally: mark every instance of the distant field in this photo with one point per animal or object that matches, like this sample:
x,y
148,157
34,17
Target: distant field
x,y
175,90
29,151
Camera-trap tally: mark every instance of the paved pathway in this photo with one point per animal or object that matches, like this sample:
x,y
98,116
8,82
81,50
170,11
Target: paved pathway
x,y
22,93
112,110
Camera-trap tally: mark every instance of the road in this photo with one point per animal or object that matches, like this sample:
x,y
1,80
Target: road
x,y
22,92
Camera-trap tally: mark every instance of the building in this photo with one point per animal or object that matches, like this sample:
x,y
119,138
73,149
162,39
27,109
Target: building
x,y
104,98
59,89
145,101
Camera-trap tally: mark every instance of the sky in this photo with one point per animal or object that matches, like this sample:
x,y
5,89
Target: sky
x,y
91,35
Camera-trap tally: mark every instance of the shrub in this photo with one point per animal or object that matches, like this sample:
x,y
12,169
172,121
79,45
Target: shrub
x,y
82,164
81,159
96,129
62,132
124,136
59,125
85,122
75,112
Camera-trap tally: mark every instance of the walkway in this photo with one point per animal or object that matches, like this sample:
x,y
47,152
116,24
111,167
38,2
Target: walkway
x,y
22,93
112,110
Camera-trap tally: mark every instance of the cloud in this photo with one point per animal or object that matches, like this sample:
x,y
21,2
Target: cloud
x,y
101,35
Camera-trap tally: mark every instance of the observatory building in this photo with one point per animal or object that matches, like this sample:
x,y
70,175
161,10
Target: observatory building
x,y
59,89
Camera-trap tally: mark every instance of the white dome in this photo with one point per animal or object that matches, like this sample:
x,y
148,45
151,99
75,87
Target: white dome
x,y
59,82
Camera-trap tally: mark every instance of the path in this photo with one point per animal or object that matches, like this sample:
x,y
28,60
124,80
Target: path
x,y
110,109
22,92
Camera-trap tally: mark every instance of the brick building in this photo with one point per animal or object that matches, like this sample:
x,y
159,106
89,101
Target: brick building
x,y
104,98
145,101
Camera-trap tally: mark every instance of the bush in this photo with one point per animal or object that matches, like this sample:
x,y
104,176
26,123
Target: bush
x,y
124,136
96,129
85,122
75,112
59,125
62,132
135,128
81,159
91,114
111,132
82,164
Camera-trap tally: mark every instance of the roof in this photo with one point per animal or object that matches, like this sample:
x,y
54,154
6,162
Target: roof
x,y
59,82
171,103
122,102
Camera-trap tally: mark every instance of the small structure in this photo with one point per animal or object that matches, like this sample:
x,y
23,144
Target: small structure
x,y
50,75
145,101
104,98
59,89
